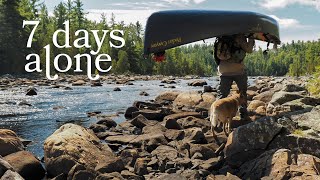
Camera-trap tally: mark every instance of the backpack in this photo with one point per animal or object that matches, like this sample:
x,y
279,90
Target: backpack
x,y
224,49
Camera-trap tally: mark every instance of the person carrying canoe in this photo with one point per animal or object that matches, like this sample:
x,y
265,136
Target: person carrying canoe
x,y
229,53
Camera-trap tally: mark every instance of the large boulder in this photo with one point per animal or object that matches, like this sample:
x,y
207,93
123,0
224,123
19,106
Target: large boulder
x,y
9,142
72,144
281,164
194,100
282,97
310,119
249,141
293,88
167,96
26,164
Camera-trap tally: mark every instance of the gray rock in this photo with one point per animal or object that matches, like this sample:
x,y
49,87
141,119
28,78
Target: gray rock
x,y
249,141
281,164
282,97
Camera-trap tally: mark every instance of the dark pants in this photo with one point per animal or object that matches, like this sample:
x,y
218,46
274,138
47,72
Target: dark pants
x,y
242,83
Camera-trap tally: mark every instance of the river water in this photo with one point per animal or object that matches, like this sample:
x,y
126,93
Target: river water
x,y
53,107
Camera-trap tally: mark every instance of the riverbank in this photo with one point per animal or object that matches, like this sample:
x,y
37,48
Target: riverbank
x,y
169,137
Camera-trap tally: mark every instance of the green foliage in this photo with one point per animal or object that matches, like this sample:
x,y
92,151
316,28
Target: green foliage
x,y
314,83
295,59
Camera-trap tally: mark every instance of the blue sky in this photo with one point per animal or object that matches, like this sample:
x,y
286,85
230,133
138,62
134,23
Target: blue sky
x,y
298,19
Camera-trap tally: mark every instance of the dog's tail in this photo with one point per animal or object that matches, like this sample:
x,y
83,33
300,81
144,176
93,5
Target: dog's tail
x,y
214,118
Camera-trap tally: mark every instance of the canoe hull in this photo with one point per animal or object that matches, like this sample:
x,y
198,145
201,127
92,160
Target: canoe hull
x,y
168,29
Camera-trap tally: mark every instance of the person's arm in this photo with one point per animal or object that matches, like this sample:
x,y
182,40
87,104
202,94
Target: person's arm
x,y
246,46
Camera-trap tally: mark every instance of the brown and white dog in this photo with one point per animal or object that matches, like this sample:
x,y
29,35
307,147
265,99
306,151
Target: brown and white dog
x,y
222,111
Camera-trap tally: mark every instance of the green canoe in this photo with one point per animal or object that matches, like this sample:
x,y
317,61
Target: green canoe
x,y
168,29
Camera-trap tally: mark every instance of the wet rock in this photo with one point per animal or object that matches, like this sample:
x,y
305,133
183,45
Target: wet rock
x,y
72,144
24,103
94,113
116,89
108,122
192,121
249,141
79,82
146,105
150,114
198,82
129,111
31,92
96,83
282,97
140,167
281,164
26,164
168,81
68,88
98,128
112,165
194,100
140,121
167,96
207,88
265,96
9,142
143,93
11,175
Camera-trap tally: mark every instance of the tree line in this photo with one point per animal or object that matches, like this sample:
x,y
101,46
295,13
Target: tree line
x,y
295,58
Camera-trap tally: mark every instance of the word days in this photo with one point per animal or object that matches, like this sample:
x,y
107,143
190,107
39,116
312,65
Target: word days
x,y
80,42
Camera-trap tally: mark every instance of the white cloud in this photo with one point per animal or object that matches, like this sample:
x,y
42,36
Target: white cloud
x,y
183,2
198,1
128,16
287,22
278,4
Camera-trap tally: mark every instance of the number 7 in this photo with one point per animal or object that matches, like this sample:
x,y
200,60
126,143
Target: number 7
x,y
35,23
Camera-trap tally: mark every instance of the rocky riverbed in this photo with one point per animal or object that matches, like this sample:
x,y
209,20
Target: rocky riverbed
x,y
169,137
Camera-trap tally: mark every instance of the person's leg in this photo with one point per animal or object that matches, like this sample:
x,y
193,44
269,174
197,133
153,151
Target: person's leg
x,y
242,83
224,86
